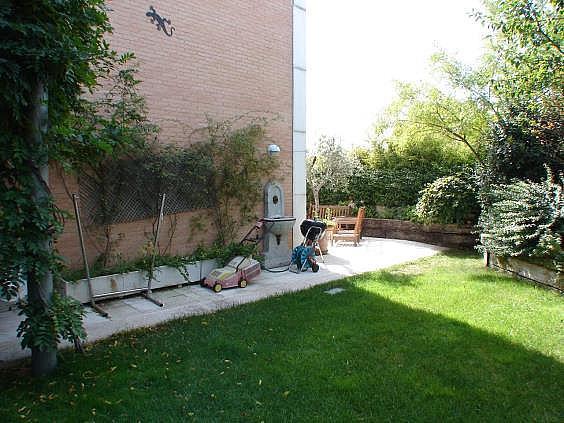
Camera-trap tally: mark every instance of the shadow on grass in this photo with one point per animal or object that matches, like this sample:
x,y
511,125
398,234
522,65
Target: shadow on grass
x,y
392,278
301,357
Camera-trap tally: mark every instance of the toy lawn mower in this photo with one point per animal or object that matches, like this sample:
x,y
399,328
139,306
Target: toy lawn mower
x,y
240,270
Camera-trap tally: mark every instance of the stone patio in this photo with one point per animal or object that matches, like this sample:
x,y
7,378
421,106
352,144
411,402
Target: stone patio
x,y
132,312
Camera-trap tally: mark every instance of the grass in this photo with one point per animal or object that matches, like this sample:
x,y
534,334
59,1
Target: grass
x,y
438,339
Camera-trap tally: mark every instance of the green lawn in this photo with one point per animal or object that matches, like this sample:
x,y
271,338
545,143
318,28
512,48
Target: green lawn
x,y
438,339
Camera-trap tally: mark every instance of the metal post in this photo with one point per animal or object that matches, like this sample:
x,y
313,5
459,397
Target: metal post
x,y
160,219
84,259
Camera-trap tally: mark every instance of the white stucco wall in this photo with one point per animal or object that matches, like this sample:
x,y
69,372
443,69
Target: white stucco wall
x,y
299,118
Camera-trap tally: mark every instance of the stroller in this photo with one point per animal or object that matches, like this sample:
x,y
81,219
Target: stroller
x,y
303,256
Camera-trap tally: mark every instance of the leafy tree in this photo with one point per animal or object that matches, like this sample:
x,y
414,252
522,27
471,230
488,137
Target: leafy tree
x,y
526,66
427,116
51,52
423,135
328,165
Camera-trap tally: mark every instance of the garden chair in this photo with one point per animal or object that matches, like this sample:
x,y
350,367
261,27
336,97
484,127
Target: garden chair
x,y
341,231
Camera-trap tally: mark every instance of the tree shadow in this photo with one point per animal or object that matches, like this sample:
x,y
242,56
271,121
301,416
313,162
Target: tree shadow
x,y
392,278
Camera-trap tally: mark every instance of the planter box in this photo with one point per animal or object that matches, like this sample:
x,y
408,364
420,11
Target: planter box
x,y
526,270
111,285
206,267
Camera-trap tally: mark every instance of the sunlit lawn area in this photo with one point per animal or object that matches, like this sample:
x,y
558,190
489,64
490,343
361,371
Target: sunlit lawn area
x,y
438,339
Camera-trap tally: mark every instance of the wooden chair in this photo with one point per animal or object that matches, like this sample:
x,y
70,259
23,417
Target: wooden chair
x,y
341,233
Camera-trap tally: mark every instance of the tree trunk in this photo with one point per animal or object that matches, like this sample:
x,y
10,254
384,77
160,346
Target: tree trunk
x,y
40,287
316,202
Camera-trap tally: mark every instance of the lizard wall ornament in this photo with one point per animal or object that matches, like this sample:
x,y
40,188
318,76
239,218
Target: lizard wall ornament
x,y
160,21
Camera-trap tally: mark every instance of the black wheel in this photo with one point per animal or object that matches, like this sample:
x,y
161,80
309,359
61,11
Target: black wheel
x,y
217,288
314,267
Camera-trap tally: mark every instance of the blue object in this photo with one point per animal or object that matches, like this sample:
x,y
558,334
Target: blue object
x,y
300,256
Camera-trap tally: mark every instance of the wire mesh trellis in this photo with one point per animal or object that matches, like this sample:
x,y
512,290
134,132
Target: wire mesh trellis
x,y
128,189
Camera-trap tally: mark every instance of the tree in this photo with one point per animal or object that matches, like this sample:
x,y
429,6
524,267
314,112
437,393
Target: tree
x,y
328,164
525,63
427,116
51,52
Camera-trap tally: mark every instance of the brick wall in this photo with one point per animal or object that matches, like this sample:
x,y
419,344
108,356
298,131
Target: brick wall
x,y
225,59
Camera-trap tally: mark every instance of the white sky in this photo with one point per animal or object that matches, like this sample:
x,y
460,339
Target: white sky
x,y
356,49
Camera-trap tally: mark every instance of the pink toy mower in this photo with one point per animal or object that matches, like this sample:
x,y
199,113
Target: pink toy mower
x,y
237,273
240,270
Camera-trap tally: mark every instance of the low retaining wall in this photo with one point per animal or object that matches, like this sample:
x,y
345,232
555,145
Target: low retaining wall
x,y
452,236
526,270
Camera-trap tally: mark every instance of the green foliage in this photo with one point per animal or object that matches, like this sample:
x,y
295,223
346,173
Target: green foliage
x,y
438,121
237,172
424,134
450,199
526,64
524,219
44,328
399,213
52,52
526,51
392,175
221,253
107,126
395,187
224,253
328,165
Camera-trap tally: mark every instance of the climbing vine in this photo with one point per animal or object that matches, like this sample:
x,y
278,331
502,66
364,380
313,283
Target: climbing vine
x,y
238,173
52,53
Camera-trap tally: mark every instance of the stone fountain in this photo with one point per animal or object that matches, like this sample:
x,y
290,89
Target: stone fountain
x,y
276,228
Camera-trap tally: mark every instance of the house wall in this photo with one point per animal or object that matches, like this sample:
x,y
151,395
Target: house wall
x,y
299,110
225,59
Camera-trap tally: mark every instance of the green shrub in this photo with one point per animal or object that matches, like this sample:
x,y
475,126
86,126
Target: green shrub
x,y
450,199
390,187
381,212
524,219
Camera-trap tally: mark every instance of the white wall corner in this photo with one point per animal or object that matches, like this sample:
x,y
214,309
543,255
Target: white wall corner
x,y
299,117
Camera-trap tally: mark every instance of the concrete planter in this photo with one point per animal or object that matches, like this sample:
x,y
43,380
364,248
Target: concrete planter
x,y
526,270
111,285
206,266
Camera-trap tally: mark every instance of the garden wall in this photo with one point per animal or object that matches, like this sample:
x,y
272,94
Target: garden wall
x,y
452,236
526,270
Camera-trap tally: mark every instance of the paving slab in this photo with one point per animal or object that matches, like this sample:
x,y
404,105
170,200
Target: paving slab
x,y
133,312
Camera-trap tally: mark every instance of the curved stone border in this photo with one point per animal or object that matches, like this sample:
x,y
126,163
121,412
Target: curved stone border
x,y
452,236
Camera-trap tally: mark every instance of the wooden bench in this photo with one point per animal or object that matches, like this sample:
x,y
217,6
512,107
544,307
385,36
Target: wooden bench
x,y
329,211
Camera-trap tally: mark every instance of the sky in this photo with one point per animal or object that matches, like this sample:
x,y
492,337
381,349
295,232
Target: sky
x,y
356,49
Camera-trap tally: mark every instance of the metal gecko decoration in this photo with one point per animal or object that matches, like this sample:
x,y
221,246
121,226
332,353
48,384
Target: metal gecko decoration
x,y
160,21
